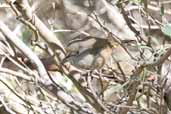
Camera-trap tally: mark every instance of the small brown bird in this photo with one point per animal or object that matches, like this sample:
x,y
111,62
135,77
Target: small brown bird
x,y
93,53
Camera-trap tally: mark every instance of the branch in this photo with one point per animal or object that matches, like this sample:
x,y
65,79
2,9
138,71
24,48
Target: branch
x,y
24,13
24,49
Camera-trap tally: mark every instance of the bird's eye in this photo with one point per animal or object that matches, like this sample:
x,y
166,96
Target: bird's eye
x,y
156,55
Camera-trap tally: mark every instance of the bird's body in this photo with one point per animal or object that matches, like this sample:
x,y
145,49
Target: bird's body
x,y
95,56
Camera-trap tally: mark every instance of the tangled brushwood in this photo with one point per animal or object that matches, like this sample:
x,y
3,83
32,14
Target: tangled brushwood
x,y
85,57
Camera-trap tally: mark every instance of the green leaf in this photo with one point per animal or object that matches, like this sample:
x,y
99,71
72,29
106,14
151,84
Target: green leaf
x,y
26,35
166,29
162,10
